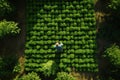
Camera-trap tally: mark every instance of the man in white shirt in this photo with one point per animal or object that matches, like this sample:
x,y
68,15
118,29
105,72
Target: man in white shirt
x,y
58,47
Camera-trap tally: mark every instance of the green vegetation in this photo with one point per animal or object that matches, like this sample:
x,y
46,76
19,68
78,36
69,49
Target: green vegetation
x,y
70,23
114,5
5,8
7,64
49,68
64,76
29,76
8,27
109,31
113,54
17,68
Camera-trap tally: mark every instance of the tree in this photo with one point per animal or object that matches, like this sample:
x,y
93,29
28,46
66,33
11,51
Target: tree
x,y
5,8
113,55
114,5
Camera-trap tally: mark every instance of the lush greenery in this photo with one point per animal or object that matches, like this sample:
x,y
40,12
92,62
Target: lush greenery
x,y
113,54
17,68
64,76
8,27
71,22
109,31
5,8
7,62
49,68
114,5
29,76
6,66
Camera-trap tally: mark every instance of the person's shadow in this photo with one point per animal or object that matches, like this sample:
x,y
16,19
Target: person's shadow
x,y
57,59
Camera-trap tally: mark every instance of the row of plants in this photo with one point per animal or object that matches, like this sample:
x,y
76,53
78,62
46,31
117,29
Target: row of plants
x,y
35,76
62,15
75,29
64,29
64,12
82,68
71,4
39,50
71,15
67,39
70,60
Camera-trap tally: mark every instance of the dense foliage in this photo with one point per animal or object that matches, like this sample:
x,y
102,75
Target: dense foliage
x,y
49,68
114,5
113,54
5,8
29,76
17,68
8,27
6,66
110,29
64,76
71,22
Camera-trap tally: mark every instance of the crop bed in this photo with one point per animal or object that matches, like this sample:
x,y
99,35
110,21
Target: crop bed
x,y
70,21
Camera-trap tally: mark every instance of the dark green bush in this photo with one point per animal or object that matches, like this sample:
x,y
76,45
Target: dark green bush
x,y
64,76
6,66
113,54
8,27
114,5
5,8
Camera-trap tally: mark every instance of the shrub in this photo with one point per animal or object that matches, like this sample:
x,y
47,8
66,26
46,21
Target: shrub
x,y
64,76
8,27
29,76
68,69
5,8
113,54
114,5
6,66
49,68
17,68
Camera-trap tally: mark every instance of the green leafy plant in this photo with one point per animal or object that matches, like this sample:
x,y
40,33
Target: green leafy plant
x,y
5,8
8,27
114,5
49,68
29,76
7,64
113,53
64,76
17,68
68,69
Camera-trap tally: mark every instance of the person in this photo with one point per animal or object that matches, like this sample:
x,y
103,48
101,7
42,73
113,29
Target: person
x,y
58,47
